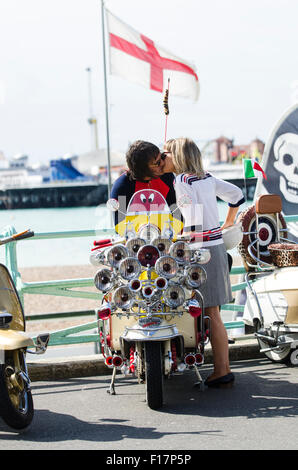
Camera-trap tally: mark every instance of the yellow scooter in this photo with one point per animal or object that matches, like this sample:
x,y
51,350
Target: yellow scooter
x,y
16,404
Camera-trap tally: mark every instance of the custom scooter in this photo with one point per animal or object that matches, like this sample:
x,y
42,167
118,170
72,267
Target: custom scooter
x,y
152,311
271,262
16,403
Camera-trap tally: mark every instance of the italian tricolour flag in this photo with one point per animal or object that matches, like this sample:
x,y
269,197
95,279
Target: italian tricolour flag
x,y
252,169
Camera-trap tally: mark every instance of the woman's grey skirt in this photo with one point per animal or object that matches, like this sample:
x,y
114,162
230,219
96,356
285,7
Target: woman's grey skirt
x,y
217,290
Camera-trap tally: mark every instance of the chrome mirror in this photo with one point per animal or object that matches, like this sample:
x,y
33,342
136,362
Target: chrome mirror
x,y
113,205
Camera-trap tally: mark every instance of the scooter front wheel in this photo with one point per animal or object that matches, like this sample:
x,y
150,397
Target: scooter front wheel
x,y
16,404
153,373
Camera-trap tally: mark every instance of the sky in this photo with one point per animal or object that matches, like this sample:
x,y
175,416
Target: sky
x,y
245,54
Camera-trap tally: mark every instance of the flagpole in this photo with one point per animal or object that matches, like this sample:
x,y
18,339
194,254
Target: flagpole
x,y
106,96
245,187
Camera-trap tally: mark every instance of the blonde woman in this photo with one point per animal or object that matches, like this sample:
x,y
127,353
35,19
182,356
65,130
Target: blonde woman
x,y
202,219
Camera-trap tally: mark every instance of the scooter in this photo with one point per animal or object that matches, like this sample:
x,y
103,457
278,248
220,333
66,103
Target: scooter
x,y
271,261
152,313
16,403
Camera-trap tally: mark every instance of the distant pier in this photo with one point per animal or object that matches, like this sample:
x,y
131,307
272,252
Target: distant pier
x,y
76,195
53,195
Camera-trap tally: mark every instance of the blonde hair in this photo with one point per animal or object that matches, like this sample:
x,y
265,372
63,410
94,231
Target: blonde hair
x,y
168,145
187,157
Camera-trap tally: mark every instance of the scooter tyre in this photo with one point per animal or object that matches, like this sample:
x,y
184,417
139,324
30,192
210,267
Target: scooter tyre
x,y
279,357
15,418
154,375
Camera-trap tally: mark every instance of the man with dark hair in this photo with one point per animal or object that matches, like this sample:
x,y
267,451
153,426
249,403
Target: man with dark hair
x,y
145,171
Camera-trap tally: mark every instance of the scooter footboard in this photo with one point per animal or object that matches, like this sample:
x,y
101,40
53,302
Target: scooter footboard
x,y
11,340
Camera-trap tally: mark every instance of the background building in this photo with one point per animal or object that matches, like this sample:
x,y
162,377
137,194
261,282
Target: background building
x,y
227,152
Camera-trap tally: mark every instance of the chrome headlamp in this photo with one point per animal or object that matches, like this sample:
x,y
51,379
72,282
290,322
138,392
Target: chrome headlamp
x,y
116,254
103,279
148,232
133,245
122,297
166,266
129,268
181,252
202,255
195,276
97,258
148,291
161,283
148,255
162,244
174,296
135,285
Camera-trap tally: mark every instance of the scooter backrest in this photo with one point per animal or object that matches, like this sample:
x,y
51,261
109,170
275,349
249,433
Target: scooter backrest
x,y
268,204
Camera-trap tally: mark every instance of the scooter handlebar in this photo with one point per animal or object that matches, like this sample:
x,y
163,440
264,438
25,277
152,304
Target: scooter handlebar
x,y
17,236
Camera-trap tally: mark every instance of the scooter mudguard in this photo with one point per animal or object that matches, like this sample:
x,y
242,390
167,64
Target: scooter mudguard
x,y
10,340
160,332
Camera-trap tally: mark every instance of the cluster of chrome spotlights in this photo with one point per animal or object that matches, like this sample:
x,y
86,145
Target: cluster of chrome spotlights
x,y
170,266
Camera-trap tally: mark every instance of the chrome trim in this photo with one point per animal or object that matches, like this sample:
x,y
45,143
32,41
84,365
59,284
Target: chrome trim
x,y
151,329
150,338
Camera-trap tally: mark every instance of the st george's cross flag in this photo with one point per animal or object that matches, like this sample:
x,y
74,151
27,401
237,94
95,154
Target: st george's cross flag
x,y
138,59
252,169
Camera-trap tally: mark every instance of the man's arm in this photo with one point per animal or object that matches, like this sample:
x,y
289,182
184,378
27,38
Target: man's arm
x,y
122,190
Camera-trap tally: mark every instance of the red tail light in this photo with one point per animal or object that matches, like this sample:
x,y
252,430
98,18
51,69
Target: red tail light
x,y
199,358
109,361
117,361
195,311
190,359
104,313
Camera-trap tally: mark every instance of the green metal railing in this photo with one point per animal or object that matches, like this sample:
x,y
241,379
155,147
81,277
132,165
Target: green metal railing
x,y
65,287
59,287
62,288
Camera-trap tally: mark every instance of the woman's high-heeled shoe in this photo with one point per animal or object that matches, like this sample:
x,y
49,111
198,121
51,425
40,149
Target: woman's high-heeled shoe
x,y
224,381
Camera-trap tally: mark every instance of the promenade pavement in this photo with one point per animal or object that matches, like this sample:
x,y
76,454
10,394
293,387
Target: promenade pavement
x,y
258,413
65,362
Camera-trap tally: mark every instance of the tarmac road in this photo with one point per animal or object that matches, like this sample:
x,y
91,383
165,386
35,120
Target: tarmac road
x,y
259,412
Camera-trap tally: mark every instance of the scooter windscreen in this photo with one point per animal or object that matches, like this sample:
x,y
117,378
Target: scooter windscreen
x,y
149,212
9,300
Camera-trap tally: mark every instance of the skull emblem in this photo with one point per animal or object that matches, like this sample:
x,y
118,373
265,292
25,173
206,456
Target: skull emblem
x,y
286,155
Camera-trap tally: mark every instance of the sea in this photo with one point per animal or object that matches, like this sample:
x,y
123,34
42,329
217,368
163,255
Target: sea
x,y
62,251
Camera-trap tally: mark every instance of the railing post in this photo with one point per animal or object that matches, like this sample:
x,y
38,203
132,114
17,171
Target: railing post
x,y
11,261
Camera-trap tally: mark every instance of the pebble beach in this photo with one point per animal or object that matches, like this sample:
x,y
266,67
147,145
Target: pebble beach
x,y
39,304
